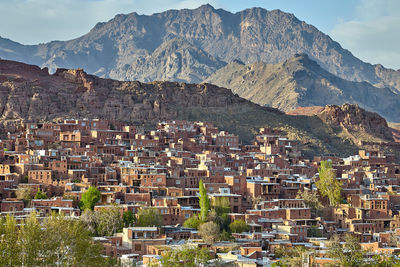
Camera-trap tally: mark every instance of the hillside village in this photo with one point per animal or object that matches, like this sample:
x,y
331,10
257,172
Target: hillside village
x,y
267,187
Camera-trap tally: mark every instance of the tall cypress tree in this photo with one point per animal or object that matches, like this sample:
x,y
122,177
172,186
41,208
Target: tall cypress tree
x,y
203,201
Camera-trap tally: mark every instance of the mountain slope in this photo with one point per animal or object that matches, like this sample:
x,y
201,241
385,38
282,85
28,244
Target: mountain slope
x,y
174,60
301,82
352,120
28,93
252,35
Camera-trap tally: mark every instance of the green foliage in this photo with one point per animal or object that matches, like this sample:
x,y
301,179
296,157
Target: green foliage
x,y
40,195
58,241
193,222
314,231
24,180
291,256
221,205
222,220
350,254
384,261
104,222
185,256
203,201
311,200
226,236
209,232
147,217
328,185
24,193
90,198
239,226
109,221
9,240
128,218
219,214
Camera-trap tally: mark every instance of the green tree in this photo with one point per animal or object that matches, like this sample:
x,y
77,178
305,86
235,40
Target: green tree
x,y
128,218
239,226
24,193
314,231
90,198
291,256
311,200
223,220
68,243
57,241
90,220
30,235
226,236
185,255
221,205
209,232
203,201
9,248
327,184
24,180
193,222
40,195
350,254
103,222
384,261
109,220
147,217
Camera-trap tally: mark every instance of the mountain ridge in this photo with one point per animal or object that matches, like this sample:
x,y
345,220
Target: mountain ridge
x,y
251,35
301,82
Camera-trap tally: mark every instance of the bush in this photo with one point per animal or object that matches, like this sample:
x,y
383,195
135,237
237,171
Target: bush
x,y
209,231
239,226
193,222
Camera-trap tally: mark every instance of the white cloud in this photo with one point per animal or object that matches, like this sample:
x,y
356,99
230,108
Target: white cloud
x,y
34,21
373,35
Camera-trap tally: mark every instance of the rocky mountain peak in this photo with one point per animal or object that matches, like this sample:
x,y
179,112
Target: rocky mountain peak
x,y
352,117
77,76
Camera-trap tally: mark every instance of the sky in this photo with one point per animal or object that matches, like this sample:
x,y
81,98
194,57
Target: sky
x,y
370,29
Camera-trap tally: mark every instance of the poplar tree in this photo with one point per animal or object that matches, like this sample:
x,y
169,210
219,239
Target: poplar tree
x,y
203,201
328,185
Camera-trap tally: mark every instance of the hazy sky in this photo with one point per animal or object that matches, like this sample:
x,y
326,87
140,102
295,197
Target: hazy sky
x,y
370,29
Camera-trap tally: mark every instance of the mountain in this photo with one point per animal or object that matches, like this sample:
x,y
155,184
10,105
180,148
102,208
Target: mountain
x,y
174,60
301,82
29,93
352,120
118,47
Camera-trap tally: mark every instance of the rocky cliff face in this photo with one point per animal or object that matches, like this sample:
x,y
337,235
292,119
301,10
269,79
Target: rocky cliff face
x,y
301,82
355,122
354,119
174,60
116,48
29,93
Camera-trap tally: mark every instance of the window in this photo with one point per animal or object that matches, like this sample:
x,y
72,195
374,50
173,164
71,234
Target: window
x,y
138,247
178,182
